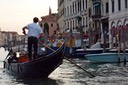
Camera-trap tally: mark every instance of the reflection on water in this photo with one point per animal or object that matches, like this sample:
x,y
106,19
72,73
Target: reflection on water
x,y
38,81
69,74
11,80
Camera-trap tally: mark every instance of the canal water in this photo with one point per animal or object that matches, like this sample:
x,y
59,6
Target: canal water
x,y
69,74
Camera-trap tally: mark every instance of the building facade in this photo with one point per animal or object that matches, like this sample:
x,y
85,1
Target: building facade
x,y
86,16
118,19
9,39
75,15
98,18
61,15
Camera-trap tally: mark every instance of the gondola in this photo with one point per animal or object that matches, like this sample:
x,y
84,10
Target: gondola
x,y
41,67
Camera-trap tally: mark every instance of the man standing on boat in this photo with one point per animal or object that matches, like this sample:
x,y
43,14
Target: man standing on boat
x,y
34,32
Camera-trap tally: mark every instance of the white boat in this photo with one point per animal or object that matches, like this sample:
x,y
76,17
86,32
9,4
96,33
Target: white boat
x,y
106,57
82,52
114,50
94,49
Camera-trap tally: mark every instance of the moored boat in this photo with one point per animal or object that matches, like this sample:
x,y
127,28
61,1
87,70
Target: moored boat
x,y
82,52
94,49
116,50
106,57
41,67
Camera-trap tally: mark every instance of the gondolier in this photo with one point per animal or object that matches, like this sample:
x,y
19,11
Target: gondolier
x,y
34,32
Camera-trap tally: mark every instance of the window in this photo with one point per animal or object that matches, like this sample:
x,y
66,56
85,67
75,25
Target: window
x,y
83,21
51,24
126,3
70,24
96,9
83,4
73,24
86,4
107,9
113,6
80,5
73,7
70,9
67,10
86,21
119,5
89,12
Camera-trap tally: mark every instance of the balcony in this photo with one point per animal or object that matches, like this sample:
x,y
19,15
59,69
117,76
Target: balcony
x,y
94,1
96,16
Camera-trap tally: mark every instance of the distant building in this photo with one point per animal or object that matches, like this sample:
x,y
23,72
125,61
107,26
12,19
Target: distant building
x,y
10,39
52,20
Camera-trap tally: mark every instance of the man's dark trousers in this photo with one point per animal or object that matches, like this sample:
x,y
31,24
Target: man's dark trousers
x,y
32,43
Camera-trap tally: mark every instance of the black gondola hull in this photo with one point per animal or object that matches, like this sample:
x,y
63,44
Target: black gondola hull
x,y
41,67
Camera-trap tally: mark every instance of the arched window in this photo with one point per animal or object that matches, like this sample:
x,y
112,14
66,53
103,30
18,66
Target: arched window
x,y
51,24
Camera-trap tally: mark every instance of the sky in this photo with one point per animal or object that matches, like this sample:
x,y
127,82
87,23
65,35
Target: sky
x,y
15,14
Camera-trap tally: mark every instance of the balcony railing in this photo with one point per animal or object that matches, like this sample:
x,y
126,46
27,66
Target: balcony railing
x,y
96,16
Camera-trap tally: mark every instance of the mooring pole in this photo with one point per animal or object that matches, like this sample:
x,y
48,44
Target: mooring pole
x,y
124,49
124,54
118,38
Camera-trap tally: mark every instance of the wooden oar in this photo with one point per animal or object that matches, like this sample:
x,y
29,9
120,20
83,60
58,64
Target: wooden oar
x,y
92,75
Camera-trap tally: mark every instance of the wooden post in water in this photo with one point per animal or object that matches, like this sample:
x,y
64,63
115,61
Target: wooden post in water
x,y
118,39
124,54
124,49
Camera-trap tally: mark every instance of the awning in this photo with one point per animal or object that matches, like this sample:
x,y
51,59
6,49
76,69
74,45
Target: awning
x,y
125,27
85,35
125,32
